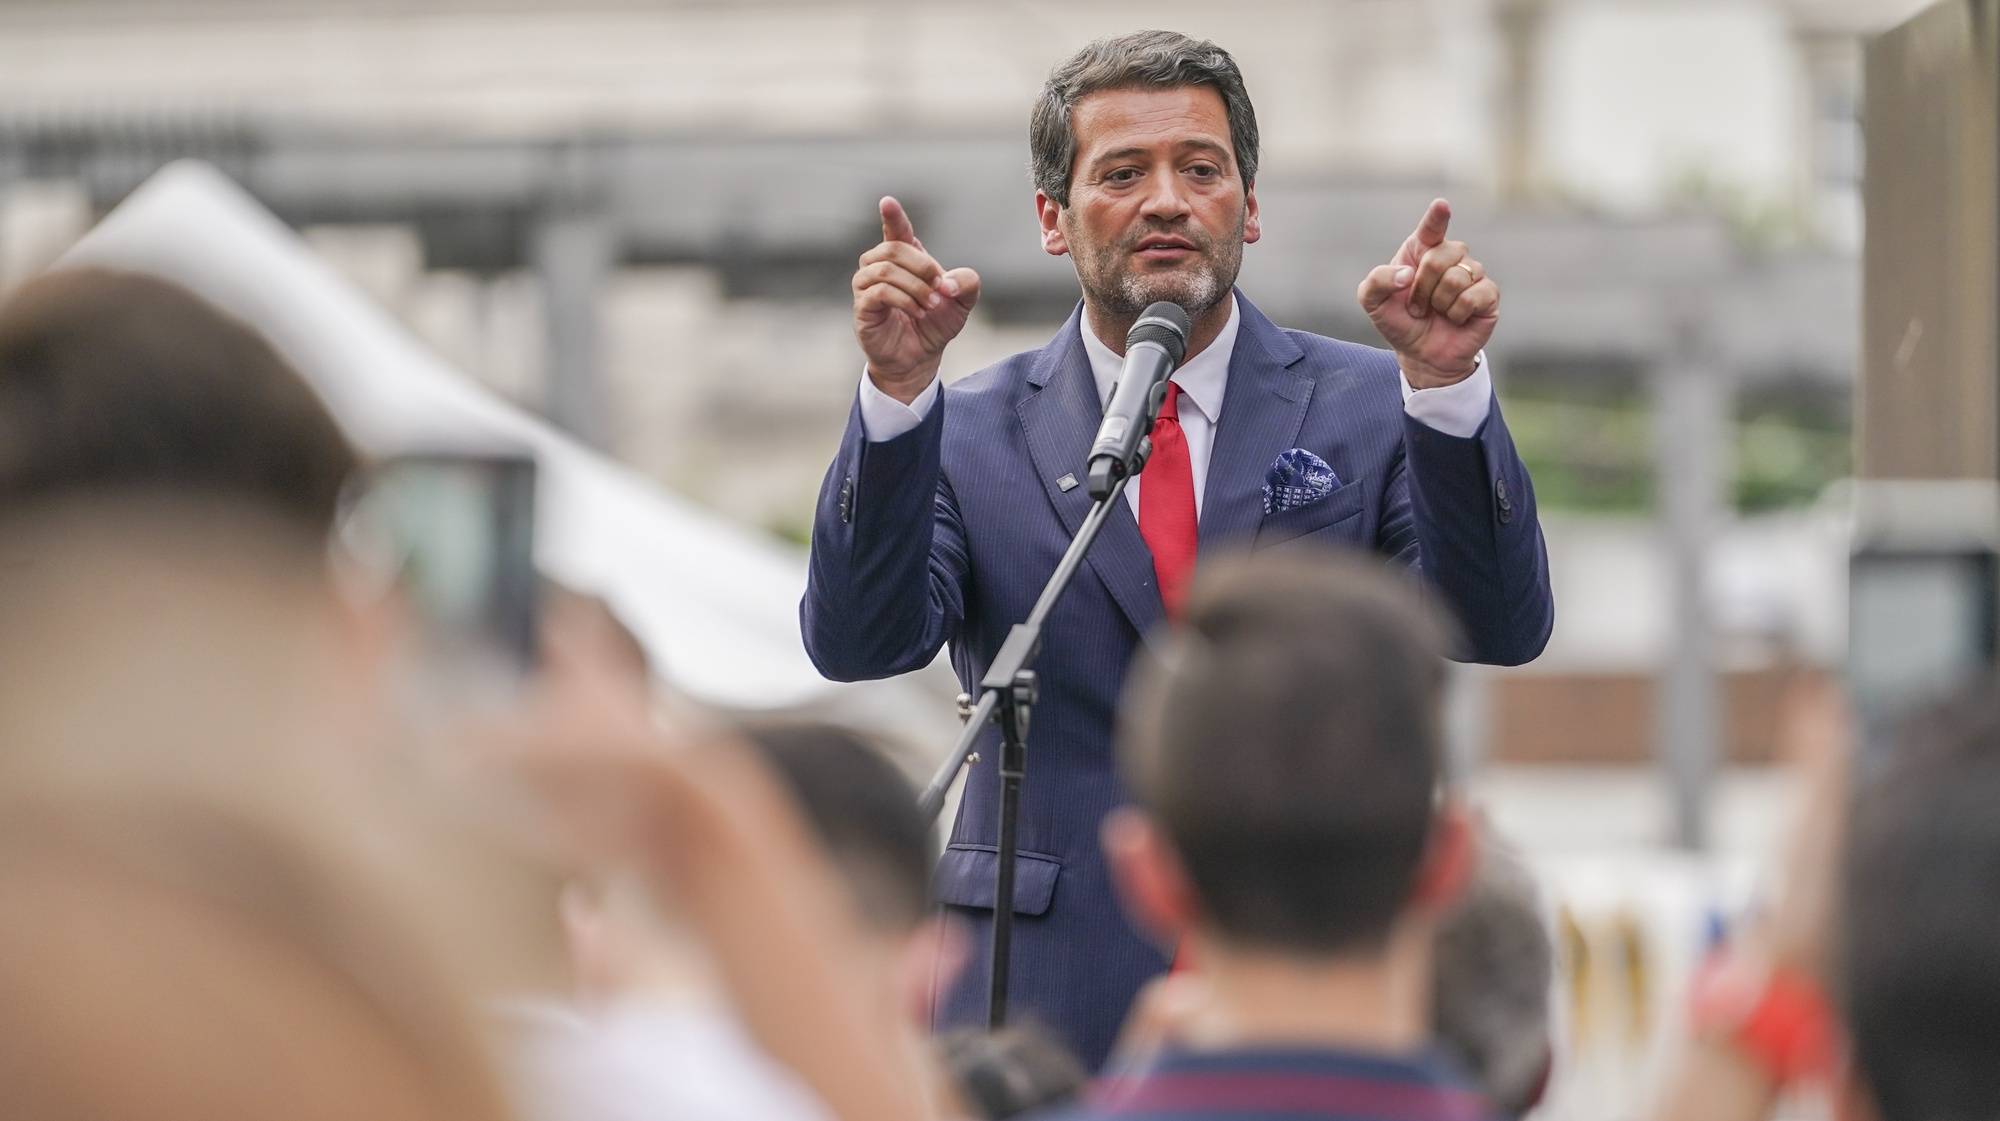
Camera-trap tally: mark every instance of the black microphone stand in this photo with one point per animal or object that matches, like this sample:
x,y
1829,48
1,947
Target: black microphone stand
x,y
1008,693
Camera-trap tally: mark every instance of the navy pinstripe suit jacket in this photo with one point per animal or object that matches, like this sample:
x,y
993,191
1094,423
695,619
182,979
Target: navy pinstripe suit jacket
x,y
947,533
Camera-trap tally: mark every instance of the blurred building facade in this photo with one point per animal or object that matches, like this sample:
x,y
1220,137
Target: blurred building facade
x,y
639,218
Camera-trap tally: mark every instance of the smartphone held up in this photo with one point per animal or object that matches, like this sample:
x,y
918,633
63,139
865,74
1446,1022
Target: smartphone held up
x,y
449,536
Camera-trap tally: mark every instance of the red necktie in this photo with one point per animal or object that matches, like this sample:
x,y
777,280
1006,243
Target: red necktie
x,y
1166,505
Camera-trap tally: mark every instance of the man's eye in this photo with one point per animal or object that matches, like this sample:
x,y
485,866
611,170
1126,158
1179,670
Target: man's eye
x,y
1123,175
1204,171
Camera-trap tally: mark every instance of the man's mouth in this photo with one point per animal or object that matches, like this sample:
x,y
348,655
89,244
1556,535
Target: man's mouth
x,y
1163,248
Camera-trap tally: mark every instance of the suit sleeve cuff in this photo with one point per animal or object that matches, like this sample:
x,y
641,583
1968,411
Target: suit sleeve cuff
x,y
883,418
1455,410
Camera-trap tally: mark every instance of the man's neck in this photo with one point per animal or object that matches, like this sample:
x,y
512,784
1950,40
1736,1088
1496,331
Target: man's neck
x,y
1111,327
1376,1004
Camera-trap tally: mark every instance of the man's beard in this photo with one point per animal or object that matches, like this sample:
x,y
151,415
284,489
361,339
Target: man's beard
x,y
1110,282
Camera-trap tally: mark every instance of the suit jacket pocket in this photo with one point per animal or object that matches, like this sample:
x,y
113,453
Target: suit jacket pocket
x,y
964,878
1331,510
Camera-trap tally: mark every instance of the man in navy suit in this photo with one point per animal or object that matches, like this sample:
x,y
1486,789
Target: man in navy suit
x,y
946,510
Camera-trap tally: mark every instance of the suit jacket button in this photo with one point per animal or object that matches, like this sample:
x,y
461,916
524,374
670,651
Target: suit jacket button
x,y
847,500
1500,490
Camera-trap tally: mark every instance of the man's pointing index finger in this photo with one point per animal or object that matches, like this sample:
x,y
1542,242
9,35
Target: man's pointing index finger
x,y
896,224
1431,231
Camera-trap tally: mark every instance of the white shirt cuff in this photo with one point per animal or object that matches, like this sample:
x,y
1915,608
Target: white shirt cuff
x,y
883,418
1455,410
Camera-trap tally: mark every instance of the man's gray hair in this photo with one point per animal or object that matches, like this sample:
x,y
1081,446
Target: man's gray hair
x,y
1166,59
1495,964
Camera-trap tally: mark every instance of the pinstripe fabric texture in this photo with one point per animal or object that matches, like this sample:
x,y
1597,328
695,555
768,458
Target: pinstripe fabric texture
x,y
945,535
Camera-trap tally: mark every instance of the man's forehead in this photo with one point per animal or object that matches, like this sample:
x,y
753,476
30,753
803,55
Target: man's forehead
x,y
1148,116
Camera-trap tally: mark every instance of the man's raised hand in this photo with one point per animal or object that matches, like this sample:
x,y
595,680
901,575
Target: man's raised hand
x,y
907,307
1433,304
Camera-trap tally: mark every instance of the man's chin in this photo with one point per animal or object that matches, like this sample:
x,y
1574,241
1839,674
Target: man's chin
x,y
1195,294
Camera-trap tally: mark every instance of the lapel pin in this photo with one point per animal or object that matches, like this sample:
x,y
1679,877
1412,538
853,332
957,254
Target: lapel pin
x,y
1067,483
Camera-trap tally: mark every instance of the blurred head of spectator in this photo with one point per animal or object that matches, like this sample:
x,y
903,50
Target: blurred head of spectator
x,y
1011,1072
864,812
1495,966
656,1021
1918,953
114,382
167,488
1283,750
862,809
168,485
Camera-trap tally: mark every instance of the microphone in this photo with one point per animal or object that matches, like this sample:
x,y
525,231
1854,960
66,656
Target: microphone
x,y
1153,349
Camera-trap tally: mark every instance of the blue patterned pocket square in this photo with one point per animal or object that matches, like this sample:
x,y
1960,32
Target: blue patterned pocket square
x,y
1297,478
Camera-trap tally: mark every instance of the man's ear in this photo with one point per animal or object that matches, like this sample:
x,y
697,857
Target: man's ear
x,y
1253,226
1450,859
932,957
1152,884
1049,212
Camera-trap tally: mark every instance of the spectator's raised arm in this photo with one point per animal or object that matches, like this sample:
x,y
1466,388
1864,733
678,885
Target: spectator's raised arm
x,y
711,829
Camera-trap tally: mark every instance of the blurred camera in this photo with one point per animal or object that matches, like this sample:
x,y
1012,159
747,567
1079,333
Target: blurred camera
x,y
451,535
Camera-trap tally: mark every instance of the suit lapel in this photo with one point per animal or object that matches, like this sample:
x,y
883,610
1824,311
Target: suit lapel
x,y
1059,419
1263,409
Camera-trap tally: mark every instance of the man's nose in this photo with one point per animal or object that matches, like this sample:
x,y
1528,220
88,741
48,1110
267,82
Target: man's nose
x,y
1165,201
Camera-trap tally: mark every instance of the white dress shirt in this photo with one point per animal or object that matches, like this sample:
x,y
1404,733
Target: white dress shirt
x,y
1455,410
674,1055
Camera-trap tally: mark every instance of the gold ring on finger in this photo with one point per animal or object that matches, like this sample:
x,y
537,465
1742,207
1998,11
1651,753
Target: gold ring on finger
x,y
1470,272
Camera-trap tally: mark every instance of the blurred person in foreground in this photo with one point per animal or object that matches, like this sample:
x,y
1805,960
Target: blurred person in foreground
x,y
1283,747
224,935
1874,979
945,510
864,813
170,644
710,830
653,1028
168,488
171,631
171,610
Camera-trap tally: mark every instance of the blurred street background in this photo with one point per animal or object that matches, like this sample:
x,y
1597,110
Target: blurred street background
x,y
637,222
